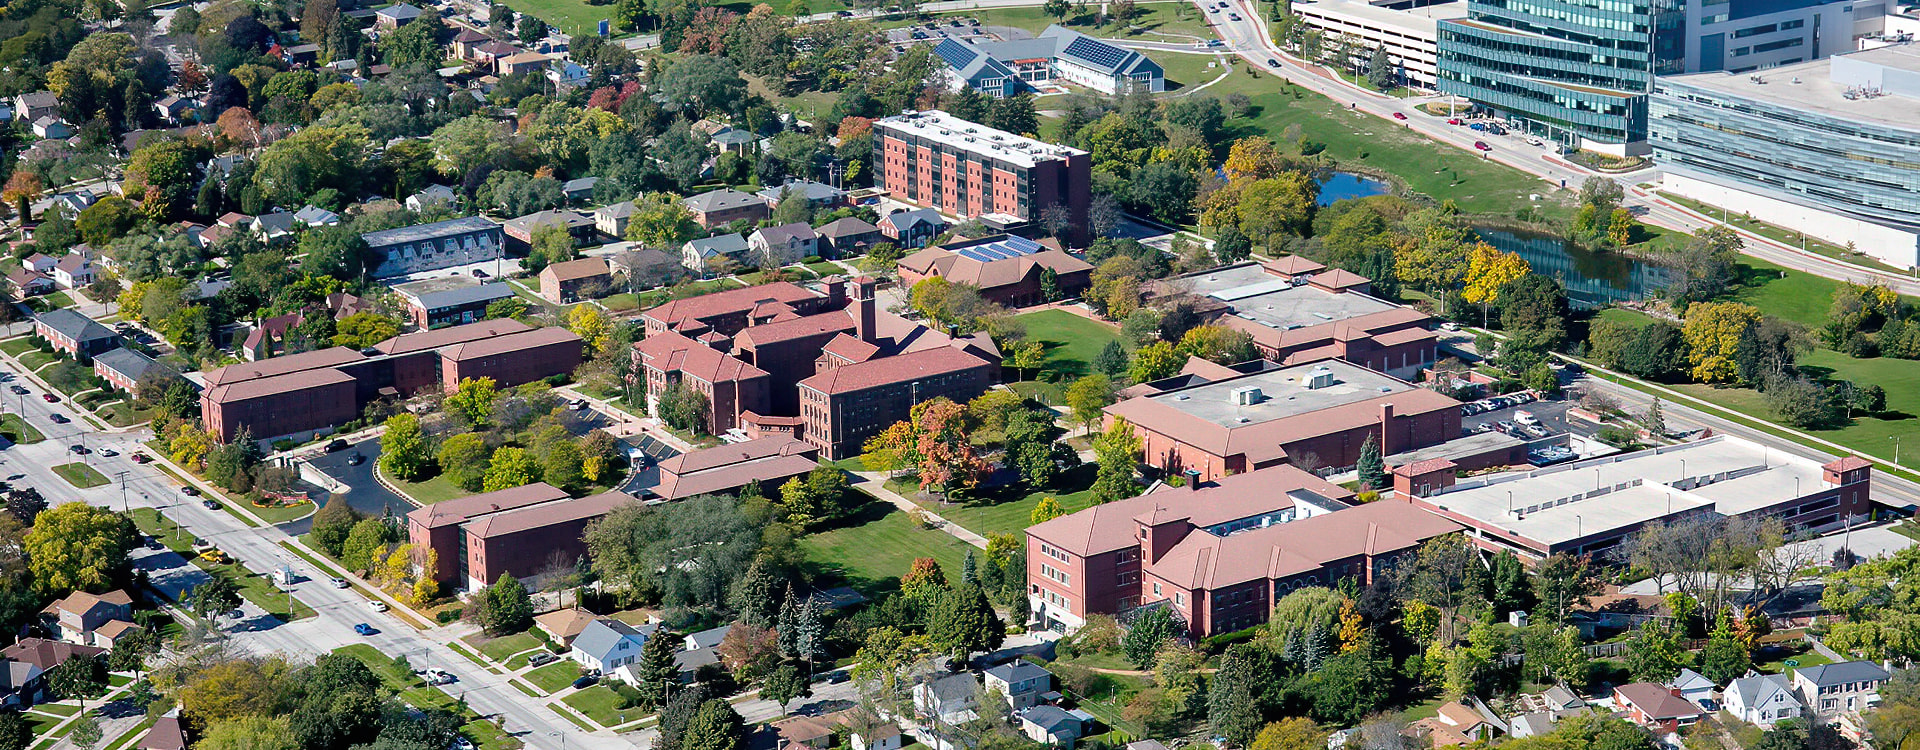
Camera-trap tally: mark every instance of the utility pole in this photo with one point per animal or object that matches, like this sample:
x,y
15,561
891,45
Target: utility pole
x,y
123,492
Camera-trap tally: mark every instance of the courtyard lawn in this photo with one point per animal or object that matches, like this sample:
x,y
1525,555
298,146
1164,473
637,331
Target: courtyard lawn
x,y
19,430
657,297
602,705
622,302
435,490
80,475
125,414
1072,344
575,17
36,359
1009,509
878,545
555,677
16,346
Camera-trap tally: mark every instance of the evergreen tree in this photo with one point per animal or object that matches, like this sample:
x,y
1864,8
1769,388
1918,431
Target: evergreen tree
x,y
1150,629
1372,469
1232,709
657,672
963,623
753,596
716,726
1112,360
810,631
787,624
970,569
678,714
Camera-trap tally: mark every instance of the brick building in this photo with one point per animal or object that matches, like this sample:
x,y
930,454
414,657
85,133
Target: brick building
x,y
1219,553
846,405
431,247
936,160
435,304
73,333
725,206
437,526
1316,415
279,404
730,311
512,360
563,283
726,468
732,387
123,367
1007,269
520,531
1298,311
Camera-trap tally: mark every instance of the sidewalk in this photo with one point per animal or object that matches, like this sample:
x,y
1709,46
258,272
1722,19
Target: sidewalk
x,y
874,483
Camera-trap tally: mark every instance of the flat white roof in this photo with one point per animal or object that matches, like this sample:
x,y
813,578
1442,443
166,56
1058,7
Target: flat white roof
x,y
935,125
1420,22
1560,504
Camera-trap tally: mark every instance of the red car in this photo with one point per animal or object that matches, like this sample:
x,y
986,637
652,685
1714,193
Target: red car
x,y
1482,145
141,458
1454,121
1399,115
49,398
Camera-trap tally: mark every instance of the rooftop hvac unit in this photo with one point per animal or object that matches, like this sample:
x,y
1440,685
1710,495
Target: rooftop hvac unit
x,y
1246,395
1319,377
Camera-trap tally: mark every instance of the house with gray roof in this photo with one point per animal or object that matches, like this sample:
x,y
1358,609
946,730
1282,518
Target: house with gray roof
x,y
607,644
700,255
441,307
612,220
725,206
73,333
396,16
434,246
35,105
1058,56
737,141
846,236
1829,690
783,244
124,367
913,228
818,195
948,699
1021,681
430,196
1054,726
579,189
315,216
1762,699
274,227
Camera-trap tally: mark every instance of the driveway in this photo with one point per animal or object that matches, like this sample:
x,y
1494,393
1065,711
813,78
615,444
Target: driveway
x,y
367,496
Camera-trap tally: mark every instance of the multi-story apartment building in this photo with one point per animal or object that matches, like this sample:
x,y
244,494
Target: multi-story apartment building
x,y
846,405
939,161
1579,72
431,247
731,387
1316,415
1219,553
1822,147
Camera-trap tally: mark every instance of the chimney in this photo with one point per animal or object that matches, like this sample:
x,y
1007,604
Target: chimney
x,y
1386,429
1193,480
863,312
836,291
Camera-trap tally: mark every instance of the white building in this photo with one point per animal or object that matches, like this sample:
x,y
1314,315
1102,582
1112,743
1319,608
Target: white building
x,y
1409,35
1761,700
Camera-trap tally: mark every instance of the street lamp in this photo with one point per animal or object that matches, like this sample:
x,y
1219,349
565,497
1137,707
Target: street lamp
x,y
1896,448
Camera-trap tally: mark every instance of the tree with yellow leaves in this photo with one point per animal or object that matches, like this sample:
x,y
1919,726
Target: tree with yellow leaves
x,y
189,445
1712,333
425,589
592,326
1488,271
1351,627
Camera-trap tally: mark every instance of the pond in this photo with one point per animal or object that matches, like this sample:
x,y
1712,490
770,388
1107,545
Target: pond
x,y
1344,185
1593,278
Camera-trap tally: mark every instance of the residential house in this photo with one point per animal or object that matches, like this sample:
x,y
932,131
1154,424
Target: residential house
x,y
725,468
1829,690
703,255
30,107
488,56
568,282
73,333
612,220
579,189
523,62
520,231
430,196
75,618
1454,724
396,16
124,367
301,54
948,699
165,734
735,141
846,236
274,228
468,42
1021,681
234,220
1694,687
269,335
73,270
1054,726
315,216
1762,699
39,263
721,207
174,109
28,282
52,127
818,195
913,228
564,625
708,639
783,244
46,654
816,732
22,684
1656,707
567,74
884,736
606,644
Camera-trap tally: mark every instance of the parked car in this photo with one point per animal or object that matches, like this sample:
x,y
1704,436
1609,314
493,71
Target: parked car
x,y
540,658
78,449
356,460
1481,126
18,391
336,445
49,398
189,491
362,628
585,681
1506,426
141,458
1526,418
1453,121
109,452
1483,427
210,504
1399,115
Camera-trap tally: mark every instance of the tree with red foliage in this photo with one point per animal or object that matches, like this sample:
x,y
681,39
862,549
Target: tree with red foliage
x,y
605,98
706,34
192,79
948,459
855,126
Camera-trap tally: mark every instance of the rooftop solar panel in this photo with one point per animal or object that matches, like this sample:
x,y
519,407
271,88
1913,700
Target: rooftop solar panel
x,y
1096,52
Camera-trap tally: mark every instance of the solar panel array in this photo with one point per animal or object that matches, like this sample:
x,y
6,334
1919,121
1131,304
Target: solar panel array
x,y
1099,53
1011,247
956,54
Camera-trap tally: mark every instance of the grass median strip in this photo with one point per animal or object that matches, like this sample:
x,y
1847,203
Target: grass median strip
x,y
80,475
19,430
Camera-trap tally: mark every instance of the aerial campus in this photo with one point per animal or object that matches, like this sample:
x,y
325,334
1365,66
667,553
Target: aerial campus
x,y
679,375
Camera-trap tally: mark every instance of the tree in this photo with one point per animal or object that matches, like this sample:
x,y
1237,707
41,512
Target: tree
x,y
560,466
1562,583
1057,9
948,459
716,726
214,598
81,676
1655,654
1488,272
1219,344
362,330
75,546
1293,733
510,468
658,673
403,449
963,623
662,221
1150,629
785,684
507,607
1112,361
1046,510
1155,361
472,401
1088,397
1724,659
85,732
1118,451
249,733
463,460
531,29
1373,470
14,732
1712,334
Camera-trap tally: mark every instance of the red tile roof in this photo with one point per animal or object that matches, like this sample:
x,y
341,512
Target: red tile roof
x,y
668,351
1656,701
1849,463
1292,265
166,734
275,385
733,453
1104,528
896,369
812,325
522,341
850,349
678,312
546,514
458,510
1339,279
291,363
727,467
1428,466
423,340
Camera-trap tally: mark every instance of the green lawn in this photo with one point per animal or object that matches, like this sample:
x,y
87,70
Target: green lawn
x,y
600,703
656,297
826,268
1009,510
1475,184
499,649
36,359
390,674
258,589
1869,434
16,346
58,300
488,736
69,377
80,475
278,514
19,430
878,546
57,709
125,414
555,677
1783,234
434,490
572,16
621,302
1072,344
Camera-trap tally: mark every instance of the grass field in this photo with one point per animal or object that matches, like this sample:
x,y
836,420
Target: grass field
x,y
68,373
18,430
600,704
80,475
258,589
151,523
653,297
1072,343
1783,234
1010,510
36,359
878,546
573,16
556,676
125,414
1152,21
434,490
499,649
392,675
16,346
621,302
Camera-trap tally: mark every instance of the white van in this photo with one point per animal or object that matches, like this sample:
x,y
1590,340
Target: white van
x,y
1525,418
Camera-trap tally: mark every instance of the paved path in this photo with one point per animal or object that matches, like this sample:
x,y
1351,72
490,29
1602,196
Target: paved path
x,y
874,483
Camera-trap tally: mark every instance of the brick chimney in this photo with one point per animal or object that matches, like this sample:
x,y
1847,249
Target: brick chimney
x,y
836,287
863,309
1193,479
1386,429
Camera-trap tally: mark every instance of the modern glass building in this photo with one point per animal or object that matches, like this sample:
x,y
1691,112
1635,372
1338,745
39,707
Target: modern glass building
x,y
1579,71
1831,148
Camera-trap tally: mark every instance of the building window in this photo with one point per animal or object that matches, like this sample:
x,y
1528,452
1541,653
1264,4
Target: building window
x,y
1156,588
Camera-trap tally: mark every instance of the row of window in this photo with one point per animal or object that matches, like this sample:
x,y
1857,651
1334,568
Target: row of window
x,y
1056,574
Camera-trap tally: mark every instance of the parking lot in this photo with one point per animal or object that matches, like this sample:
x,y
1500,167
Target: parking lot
x,y
1502,414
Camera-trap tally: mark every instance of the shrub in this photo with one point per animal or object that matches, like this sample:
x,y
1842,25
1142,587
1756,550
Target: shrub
x,y
449,616
284,444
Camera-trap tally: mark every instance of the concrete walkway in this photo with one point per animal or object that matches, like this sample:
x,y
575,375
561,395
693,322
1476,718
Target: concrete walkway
x,y
874,483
